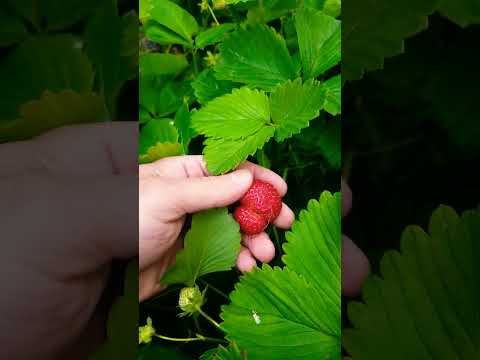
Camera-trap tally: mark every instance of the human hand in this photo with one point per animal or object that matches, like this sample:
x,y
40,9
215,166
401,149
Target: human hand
x,y
173,187
355,265
63,219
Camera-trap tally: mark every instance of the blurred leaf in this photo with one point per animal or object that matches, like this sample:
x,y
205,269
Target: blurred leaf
x,y
104,36
207,87
256,56
293,312
213,35
161,64
122,321
374,30
330,142
51,111
211,245
129,47
294,104
425,304
60,14
319,41
52,63
463,12
53,14
13,29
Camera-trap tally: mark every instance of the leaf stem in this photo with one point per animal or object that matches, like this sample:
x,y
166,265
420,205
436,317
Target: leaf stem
x,y
206,316
218,291
195,62
198,337
213,15
277,240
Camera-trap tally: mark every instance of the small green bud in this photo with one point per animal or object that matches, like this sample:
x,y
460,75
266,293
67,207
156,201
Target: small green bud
x,y
145,333
219,4
190,300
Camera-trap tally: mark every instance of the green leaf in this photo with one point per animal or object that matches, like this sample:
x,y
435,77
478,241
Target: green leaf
x,y
157,131
207,87
211,245
59,14
51,111
333,8
183,124
162,97
232,352
122,320
293,312
144,10
319,40
13,29
333,95
54,63
463,12
373,30
289,323
330,142
294,104
213,35
129,47
160,64
233,116
256,56
175,18
425,304
162,35
104,36
52,14
160,150
223,155
313,251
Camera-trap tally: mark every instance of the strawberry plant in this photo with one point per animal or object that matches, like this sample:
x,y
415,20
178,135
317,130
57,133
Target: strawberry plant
x,y
258,80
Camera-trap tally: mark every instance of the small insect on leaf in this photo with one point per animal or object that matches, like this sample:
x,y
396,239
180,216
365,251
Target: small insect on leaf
x,y
256,317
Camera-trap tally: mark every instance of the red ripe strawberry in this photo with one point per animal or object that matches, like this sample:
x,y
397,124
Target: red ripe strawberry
x,y
264,199
251,223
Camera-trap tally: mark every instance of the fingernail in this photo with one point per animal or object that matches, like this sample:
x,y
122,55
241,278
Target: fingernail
x,y
241,177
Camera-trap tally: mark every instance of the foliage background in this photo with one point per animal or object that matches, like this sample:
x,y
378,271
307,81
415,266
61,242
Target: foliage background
x,y
411,139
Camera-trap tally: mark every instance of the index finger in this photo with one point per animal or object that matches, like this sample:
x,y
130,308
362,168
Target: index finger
x,y
264,174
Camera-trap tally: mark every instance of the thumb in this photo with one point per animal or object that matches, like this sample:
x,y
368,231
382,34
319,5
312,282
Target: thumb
x,y
203,193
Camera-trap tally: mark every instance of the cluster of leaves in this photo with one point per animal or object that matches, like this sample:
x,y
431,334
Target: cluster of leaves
x,y
62,63
374,30
257,81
